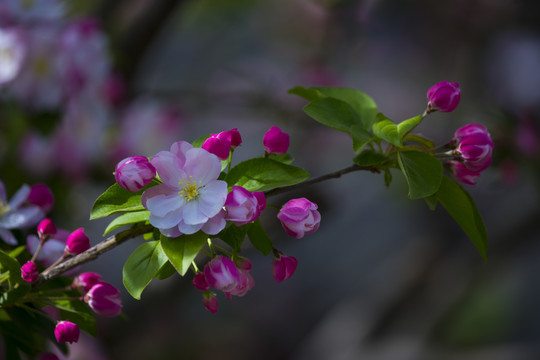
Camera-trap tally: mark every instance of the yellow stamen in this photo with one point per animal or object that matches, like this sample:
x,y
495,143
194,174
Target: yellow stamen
x,y
4,208
190,191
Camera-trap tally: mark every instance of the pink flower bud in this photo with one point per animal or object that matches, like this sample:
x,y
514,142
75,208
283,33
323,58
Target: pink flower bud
x,y
41,195
241,206
219,147
299,217
48,356
283,267
462,173
244,264
29,271
232,136
210,301
46,228
276,141
245,284
474,146
221,274
66,331
104,299
134,173
261,202
443,96
199,282
77,242
85,281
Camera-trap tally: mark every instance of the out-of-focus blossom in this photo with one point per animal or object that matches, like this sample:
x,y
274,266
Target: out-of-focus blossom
x,y
77,242
66,331
46,228
244,264
48,356
221,274
245,283
36,154
276,141
299,217
190,197
85,281
29,271
39,83
52,249
104,299
474,146
462,173
242,206
12,53
134,173
146,125
17,213
210,301
114,89
444,96
83,57
42,196
32,11
527,137
220,148
199,282
283,267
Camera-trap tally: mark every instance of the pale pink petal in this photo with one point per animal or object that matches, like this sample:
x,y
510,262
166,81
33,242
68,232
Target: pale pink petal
x,y
168,166
202,165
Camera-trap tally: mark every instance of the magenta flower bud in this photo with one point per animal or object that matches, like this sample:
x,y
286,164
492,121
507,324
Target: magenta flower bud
x,y
66,331
85,281
41,195
134,173
474,146
443,96
241,206
221,274
462,173
48,356
46,228
244,264
261,202
232,136
299,217
77,242
210,301
283,267
219,147
470,130
104,299
29,271
276,141
199,282
245,284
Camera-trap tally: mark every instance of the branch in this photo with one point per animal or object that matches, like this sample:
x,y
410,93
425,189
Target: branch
x,y
333,175
94,252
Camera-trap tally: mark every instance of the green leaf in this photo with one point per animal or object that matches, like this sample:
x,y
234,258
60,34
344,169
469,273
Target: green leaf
x,y
310,94
234,235
117,200
422,171
360,137
17,251
431,201
142,266
200,140
333,113
127,219
167,270
405,126
387,177
426,143
77,312
387,130
17,287
263,174
462,208
282,158
181,251
258,237
369,158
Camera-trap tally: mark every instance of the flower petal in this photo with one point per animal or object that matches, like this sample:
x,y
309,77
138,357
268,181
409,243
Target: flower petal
x,y
8,237
214,225
20,197
25,217
161,200
202,165
212,197
192,214
168,166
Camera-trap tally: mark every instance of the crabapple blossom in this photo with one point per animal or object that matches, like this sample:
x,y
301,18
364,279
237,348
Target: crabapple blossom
x,y
190,198
199,282
12,53
444,96
29,271
46,228
276,141
51,250
85,281
77,242
41,195
134,173
299,217
66,331
474,146
210,301
104,299
242,206
219,147
245,283
283,267
232,136
221,274
462,173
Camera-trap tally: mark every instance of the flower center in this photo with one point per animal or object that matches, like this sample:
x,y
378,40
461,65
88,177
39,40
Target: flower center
x,y
4,208
190,189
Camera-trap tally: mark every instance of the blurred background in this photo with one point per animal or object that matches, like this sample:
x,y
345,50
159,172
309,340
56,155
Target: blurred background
x,y
384,277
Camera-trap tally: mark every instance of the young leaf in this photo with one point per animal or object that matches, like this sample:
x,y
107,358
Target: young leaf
x,y
17,287
116,200
405,126
258,237
127,219
387,130
234,235
263,174
181,251
360,138
369,158
142,266
310,94
333,113
462,208
422,171
426,143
